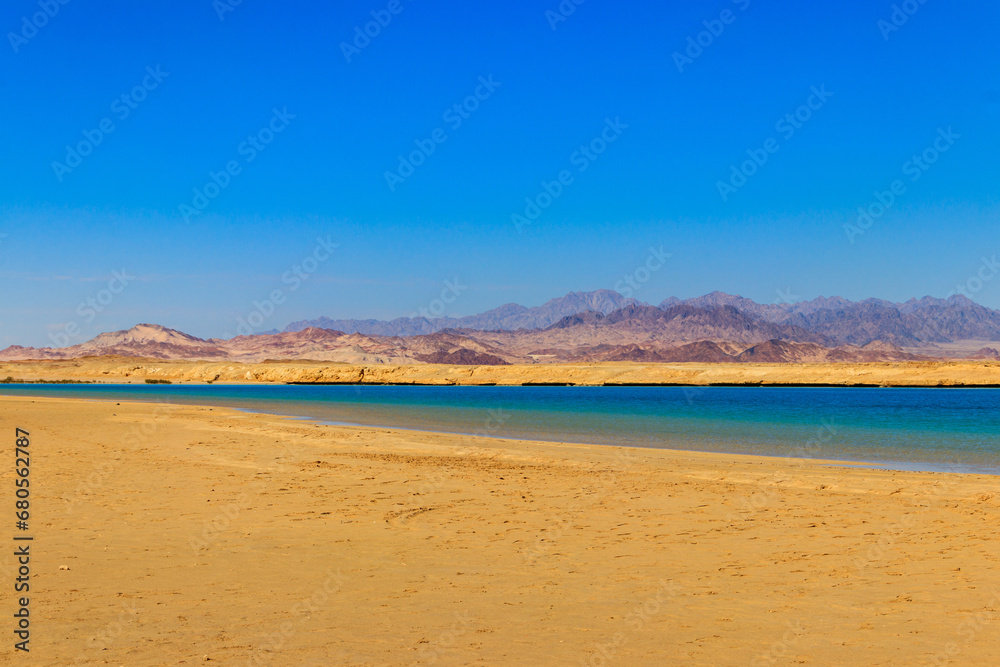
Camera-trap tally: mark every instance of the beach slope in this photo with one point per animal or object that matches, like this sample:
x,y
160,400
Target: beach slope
x,y
170,534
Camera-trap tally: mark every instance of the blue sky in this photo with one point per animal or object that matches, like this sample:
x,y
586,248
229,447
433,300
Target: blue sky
x,y
319,166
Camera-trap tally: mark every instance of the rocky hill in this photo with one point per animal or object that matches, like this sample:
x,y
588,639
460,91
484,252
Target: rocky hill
x,y
599,326
508,317
832,320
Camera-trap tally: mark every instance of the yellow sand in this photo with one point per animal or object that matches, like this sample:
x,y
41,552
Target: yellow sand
x,y
119,369
198,535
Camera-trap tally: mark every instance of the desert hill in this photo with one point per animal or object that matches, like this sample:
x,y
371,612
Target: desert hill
x,y
601,326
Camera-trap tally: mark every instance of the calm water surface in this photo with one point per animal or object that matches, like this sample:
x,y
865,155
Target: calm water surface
x,y
923,429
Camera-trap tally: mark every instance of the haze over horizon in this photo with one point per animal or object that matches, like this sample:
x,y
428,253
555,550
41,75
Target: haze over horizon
x,y
314,218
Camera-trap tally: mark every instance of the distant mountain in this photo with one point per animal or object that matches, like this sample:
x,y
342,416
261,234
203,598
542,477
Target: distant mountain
x,y
401,326
819,303
767,312
508,317
779,351
600,301
596,326
150,341
702,351
861,323
913,323
687,323
955,318
833,320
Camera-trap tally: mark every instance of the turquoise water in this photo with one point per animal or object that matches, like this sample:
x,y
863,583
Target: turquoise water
x,y
922,429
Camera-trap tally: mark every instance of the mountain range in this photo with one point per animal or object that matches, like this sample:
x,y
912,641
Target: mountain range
x,y
837,320
508,317
592,327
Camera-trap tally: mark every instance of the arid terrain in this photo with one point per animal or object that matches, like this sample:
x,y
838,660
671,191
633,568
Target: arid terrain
x,y
888,374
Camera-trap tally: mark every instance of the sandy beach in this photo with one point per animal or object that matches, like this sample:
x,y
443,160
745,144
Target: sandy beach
x,y
168,534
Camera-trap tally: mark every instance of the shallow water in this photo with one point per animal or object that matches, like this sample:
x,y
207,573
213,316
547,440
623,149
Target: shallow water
x,y
905,428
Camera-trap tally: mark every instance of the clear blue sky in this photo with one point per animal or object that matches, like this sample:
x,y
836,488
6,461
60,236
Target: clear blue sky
x,y
324,172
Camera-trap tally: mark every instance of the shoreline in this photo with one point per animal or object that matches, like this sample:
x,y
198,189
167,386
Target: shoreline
x,y
873,464
894,466
375,429
249,538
